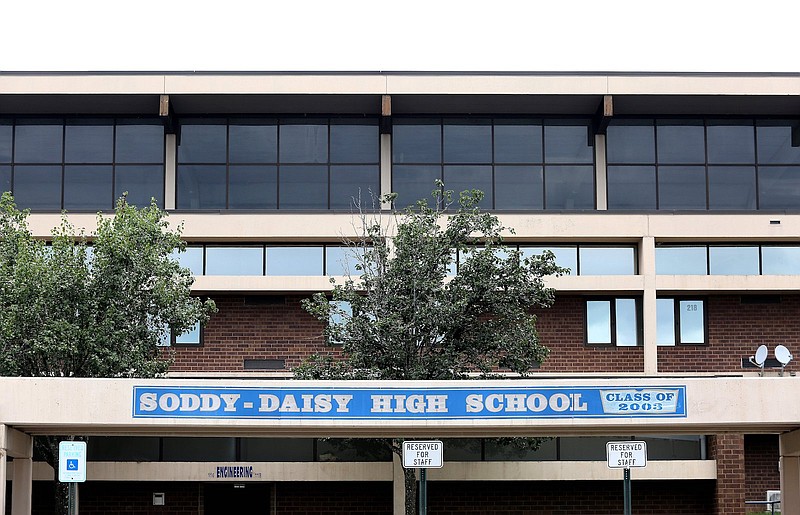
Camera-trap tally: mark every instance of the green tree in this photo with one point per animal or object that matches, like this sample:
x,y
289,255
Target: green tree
x,y
411,312
68,309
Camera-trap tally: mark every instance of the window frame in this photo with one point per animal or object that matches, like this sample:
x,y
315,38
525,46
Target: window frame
x,y
115,164
279,121
758,163
612,300
541,165
676,315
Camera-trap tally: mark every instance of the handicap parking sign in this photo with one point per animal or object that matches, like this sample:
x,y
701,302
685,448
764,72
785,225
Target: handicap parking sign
x,y
72,462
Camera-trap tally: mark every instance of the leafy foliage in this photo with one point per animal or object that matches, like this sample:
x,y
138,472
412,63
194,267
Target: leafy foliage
x,y
71,310
411,312
413,316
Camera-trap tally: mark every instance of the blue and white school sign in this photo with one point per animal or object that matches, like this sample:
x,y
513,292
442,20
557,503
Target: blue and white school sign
x,y
408,404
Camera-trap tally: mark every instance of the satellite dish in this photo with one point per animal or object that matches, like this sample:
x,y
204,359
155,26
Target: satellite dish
x,y
761,355
783,355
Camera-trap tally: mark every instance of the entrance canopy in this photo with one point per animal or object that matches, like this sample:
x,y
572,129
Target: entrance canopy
x,y
531,407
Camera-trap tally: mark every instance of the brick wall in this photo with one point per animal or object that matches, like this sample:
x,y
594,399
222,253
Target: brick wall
x,y
561,329
735,330
569,497
761,467
729,494
285,331
123,498
239,331
333,498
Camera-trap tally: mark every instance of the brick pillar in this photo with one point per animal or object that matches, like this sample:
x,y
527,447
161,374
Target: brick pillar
x,y
729,493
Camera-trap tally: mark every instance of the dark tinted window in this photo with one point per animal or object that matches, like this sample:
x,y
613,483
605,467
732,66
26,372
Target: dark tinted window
x,y
89,143
142,182
775,143
631,187
518,187
303,187
354,185
354,143
681,187
271,164
634,142
139,143
681,142
38,187
253,187
87,186
779,187
569,187
413,183
468,177
731,144
201,187
253,143
304,143
6,131
417,143
731,187
38,142
202,144
467,141
517,143
5,178
486,154
83,171
567,144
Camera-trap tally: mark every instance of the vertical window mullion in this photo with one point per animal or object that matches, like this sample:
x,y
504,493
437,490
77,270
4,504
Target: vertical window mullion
x,y
63,157
705,164
227,163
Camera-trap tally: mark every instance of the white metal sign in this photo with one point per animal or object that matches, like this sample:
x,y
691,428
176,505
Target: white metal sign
x,y
626,455
72,462
423,454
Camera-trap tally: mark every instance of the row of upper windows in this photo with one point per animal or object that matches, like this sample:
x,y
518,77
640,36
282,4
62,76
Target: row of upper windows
x,y
584,259
326,163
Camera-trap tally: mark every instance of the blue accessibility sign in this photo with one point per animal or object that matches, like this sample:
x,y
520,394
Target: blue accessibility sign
x,y
72,464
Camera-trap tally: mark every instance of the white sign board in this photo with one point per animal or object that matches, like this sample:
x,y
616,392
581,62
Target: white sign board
x,y
626,455
423,454
72,462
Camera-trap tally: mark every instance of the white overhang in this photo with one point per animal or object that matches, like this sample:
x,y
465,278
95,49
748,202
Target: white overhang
x,y
105,406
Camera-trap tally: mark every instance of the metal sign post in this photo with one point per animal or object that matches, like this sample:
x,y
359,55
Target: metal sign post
x,y
423,455
626,455
72,469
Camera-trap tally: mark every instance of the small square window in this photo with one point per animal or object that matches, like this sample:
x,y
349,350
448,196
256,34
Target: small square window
x,y
613,322
193,336
340,312
680,321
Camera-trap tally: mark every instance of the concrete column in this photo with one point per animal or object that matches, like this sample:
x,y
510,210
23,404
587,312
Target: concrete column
x,y
601,177
386,167
398,486
19,446
22,485
2,468
790,472
170,174
790,485
647,268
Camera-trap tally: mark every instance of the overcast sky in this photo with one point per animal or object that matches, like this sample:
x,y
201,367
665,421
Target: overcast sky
x,y
424,35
